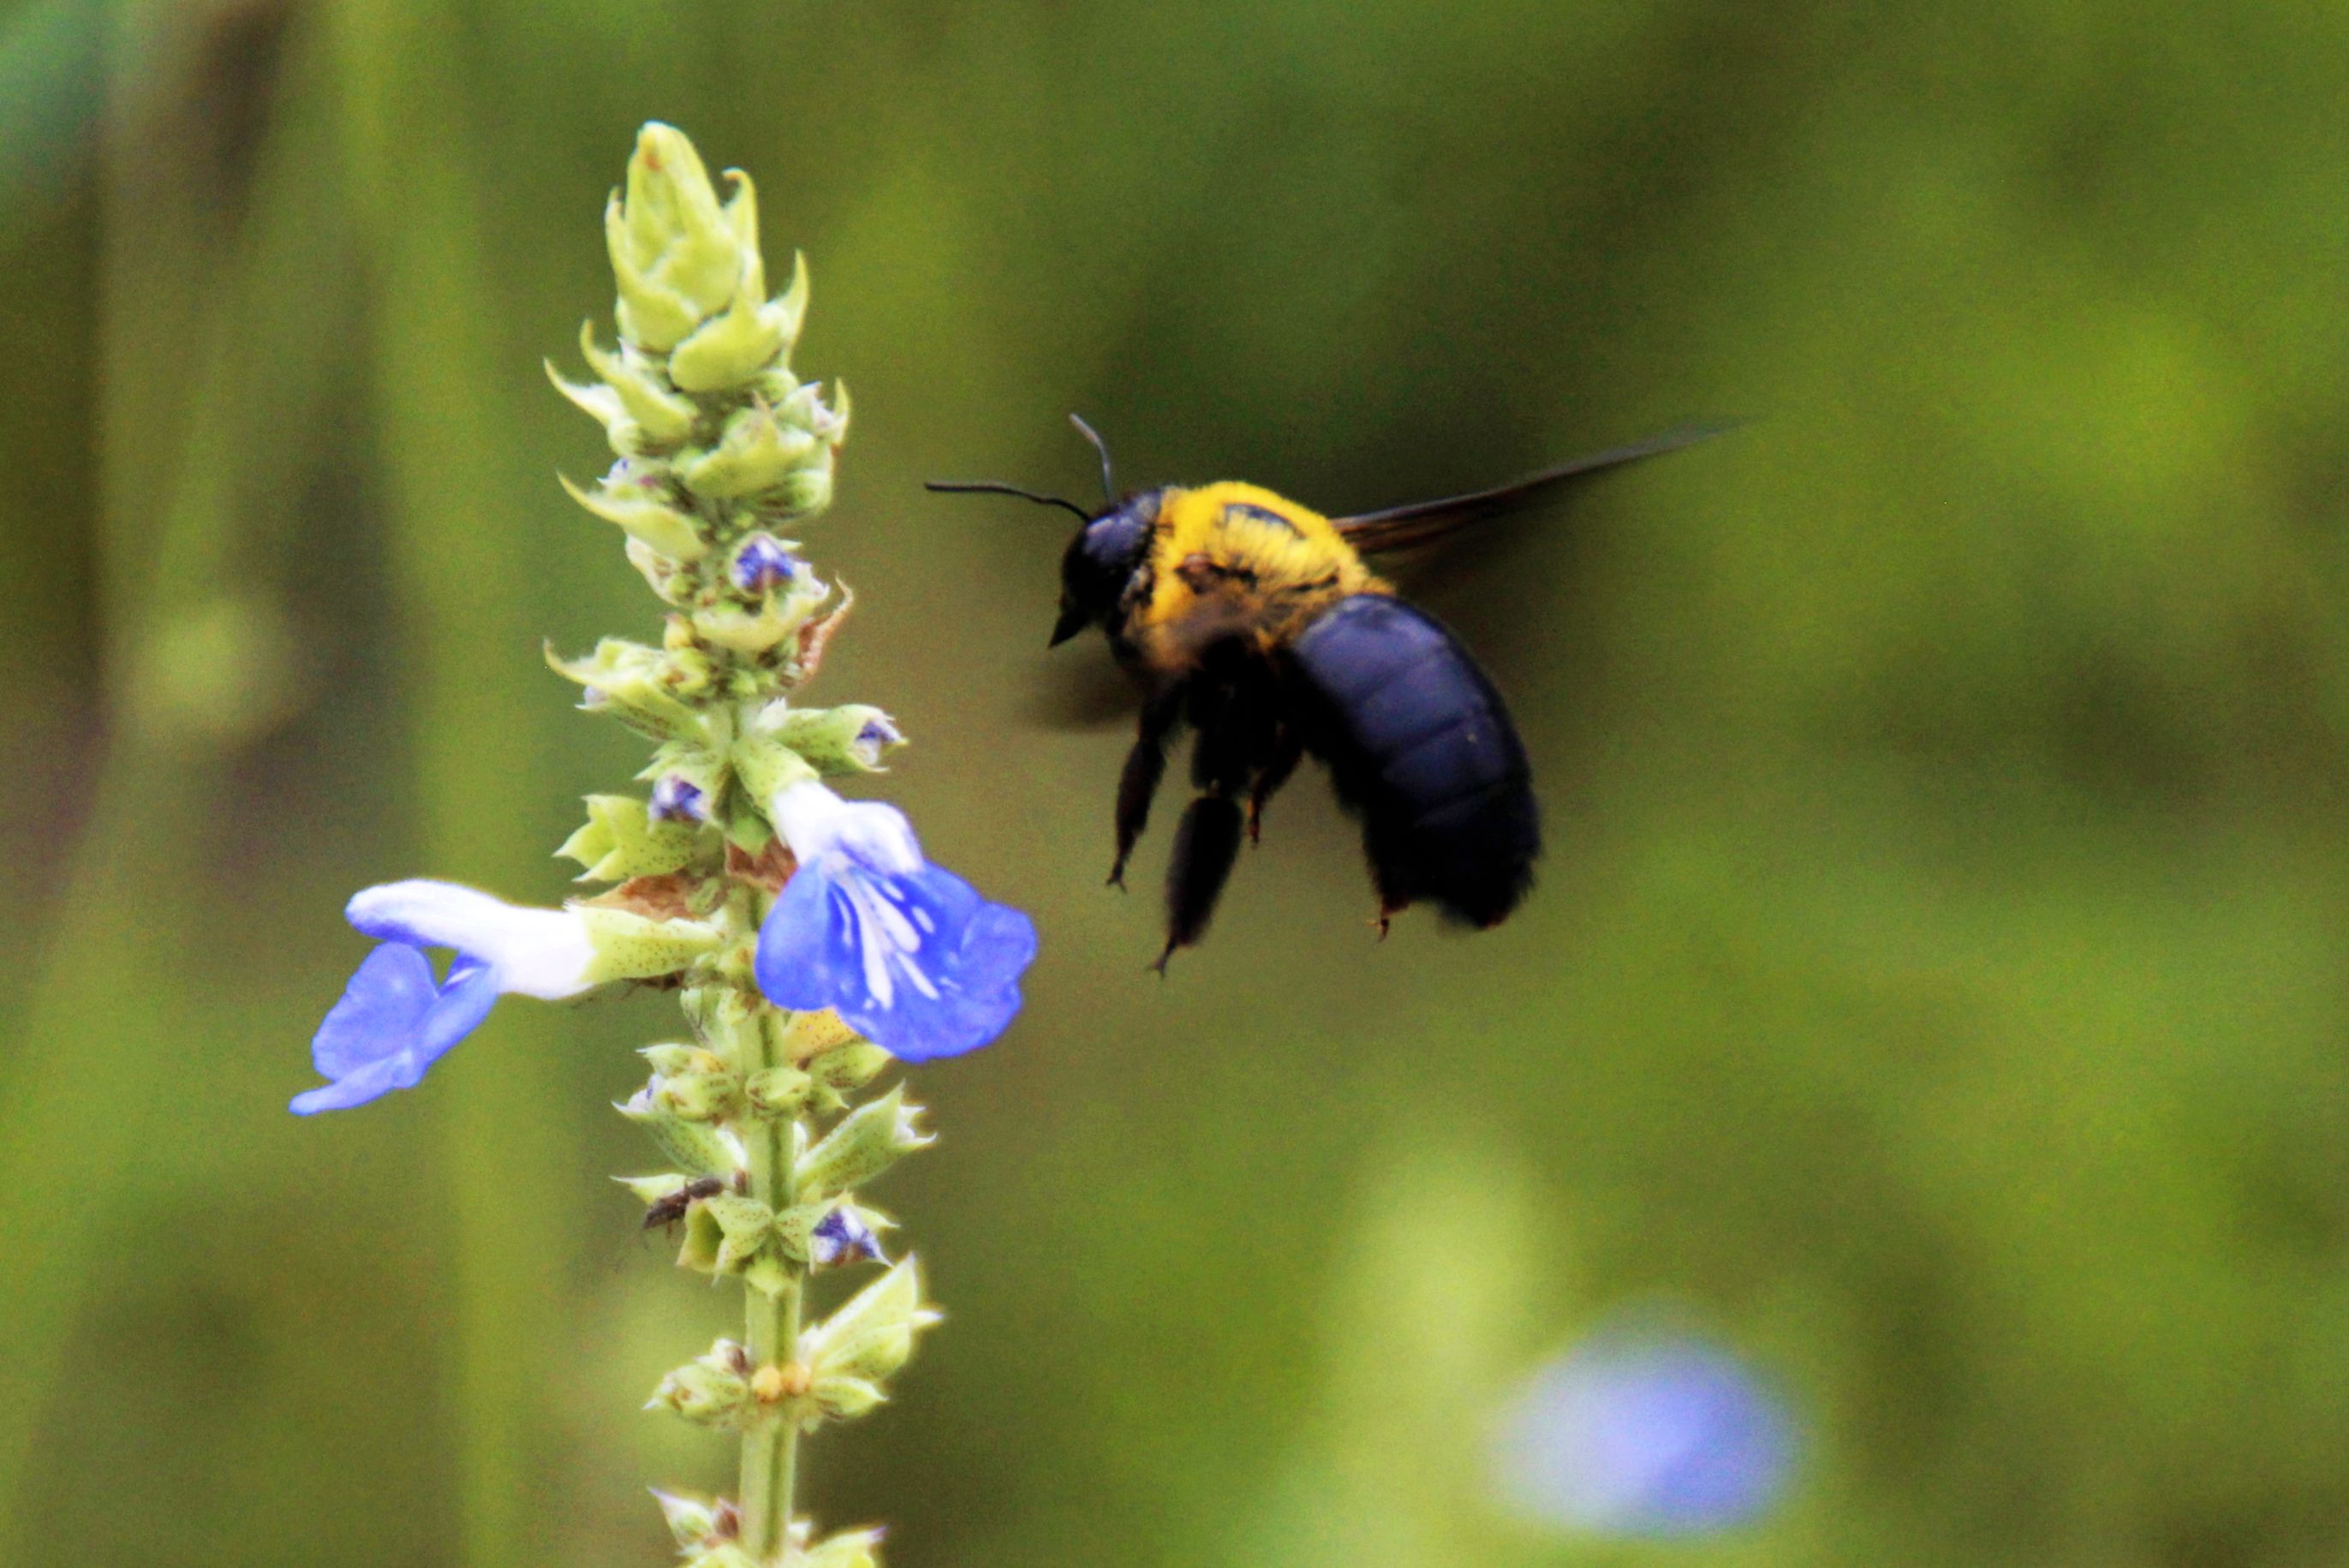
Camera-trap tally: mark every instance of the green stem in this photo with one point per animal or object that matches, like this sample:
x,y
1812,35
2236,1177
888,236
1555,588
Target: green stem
x,y
770,1451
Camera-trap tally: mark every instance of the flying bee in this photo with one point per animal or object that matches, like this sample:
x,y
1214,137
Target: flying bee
x,y
1253,622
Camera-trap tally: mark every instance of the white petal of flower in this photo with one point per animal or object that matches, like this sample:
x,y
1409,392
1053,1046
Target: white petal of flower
x,y
816,823
541,952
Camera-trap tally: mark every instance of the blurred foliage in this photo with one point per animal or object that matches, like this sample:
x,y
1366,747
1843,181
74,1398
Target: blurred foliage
x,y
1935,983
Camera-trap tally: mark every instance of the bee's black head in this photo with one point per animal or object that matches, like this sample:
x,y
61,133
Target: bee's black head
x,y
1108,551
1101,563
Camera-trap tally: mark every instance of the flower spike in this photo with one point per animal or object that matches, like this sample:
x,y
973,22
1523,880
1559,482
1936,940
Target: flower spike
x,y
808,940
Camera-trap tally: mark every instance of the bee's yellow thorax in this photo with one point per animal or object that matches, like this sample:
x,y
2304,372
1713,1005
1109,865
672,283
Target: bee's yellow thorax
x,y
1230,559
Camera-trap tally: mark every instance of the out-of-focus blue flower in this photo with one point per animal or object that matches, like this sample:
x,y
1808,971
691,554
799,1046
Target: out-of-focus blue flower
x,y
908,954
395,1020
1644,1435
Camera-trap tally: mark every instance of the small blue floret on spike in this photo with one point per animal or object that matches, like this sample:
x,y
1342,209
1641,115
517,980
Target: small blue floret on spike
x,y
841,1237
761,564
677,798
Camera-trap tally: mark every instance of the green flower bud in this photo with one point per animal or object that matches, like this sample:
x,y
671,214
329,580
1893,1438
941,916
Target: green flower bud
x,y
810,1034
795,1226
801,405
635,504
775,1093
621,840
694,1147
754,625
602,405
728,350
766,766
703,1239
665,577
693,1520
712,1390
651,1189
850,1549
867,1141
755,456
669,1061
745,1226
791,305
631,948
805,490
638,685
844,1398
731,1024
768,1274
676,255
688,779
701,1096
836,741
726,1555
871,1336
850,1067
661,416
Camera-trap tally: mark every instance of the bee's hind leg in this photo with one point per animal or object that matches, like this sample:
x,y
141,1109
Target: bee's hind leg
x,y
1238,736
1205,846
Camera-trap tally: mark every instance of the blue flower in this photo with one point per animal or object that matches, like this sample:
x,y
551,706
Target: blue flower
x,y
677,798
843,1237
394,1020
1631,1435
762,562
873,737
907,953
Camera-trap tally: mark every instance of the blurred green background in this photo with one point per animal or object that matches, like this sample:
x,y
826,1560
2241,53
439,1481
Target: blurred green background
x,y
1934,989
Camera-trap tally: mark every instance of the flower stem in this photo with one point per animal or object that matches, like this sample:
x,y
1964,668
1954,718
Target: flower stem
x,y
771,1451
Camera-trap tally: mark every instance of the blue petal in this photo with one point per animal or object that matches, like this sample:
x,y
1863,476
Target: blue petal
x,y
392,1024
792,943
370,1082
382,1009
465,999
919,963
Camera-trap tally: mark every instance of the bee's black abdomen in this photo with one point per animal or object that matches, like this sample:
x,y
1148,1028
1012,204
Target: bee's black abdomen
x,y
1420,745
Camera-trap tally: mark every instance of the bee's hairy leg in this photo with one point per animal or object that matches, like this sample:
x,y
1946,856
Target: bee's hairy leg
x,y
1206,847
1137,784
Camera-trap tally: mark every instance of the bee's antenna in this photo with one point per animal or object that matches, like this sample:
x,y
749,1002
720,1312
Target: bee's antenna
x,y
993,487
1109,486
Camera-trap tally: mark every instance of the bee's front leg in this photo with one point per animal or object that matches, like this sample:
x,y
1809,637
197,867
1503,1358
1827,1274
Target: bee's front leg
x,y
1137,784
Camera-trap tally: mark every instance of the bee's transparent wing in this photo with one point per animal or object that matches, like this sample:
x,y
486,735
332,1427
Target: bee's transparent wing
x,y
1423,522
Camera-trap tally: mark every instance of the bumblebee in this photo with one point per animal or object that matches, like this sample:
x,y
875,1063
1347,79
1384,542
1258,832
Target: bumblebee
x,y
1253,622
